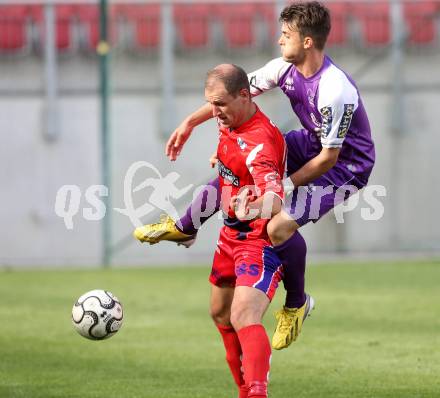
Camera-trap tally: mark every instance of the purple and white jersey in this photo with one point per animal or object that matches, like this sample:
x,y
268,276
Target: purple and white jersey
x,y
330,109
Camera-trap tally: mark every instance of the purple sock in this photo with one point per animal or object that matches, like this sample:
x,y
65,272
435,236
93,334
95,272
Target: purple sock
x,y
201,209
292,254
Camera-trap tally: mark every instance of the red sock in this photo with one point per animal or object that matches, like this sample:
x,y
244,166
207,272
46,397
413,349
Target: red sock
x,y
233,357
256,359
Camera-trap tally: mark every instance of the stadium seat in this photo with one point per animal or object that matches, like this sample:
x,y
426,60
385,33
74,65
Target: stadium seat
x,y
420,21
192,21
88,17
64,25
145,20
339,14
374,19
238,24
13,28
268,13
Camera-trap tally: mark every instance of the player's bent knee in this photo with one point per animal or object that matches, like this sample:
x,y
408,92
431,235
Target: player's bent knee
x,y
248,306
272,232
237,319
280,229
242,317
220,315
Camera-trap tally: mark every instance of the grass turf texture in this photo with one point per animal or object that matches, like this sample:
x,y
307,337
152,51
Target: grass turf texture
x,y
375,333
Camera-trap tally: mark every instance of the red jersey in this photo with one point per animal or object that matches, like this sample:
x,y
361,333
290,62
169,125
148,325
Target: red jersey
x,y
251,155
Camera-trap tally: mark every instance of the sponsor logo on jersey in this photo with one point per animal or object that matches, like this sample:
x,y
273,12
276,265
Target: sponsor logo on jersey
x,y
289,84
227,174
241,143
346,120
327,120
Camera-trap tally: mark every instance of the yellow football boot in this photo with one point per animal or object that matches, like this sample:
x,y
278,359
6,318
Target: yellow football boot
x,y
164,230
289,325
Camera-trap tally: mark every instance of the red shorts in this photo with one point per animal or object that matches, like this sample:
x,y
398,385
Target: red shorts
x,y
250,262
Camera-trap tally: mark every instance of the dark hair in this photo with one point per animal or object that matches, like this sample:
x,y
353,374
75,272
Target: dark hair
x,y
232,76
311,19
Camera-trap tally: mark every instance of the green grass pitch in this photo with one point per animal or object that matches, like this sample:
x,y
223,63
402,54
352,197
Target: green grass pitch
x,y
375,333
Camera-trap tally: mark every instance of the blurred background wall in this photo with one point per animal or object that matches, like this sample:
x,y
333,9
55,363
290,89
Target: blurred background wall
x,y
52,131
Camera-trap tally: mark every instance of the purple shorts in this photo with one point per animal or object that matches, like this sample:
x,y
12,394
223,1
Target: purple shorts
x,y
310,203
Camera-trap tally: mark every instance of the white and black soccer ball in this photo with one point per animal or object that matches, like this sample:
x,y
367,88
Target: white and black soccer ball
x,y
97,315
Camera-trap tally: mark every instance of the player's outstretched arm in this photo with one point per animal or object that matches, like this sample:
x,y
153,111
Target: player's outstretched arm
x,y
181,134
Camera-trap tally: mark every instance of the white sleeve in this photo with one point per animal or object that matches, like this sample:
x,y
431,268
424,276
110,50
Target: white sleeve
x,y
268,76
338,100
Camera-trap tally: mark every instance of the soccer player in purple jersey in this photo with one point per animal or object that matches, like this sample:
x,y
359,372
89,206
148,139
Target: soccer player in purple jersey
x,y
330,158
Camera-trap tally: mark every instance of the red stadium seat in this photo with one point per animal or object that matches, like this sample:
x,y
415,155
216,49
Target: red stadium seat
x,y
13,28
64,24
88,16
145,19
420,21
375,22
268,13
339,13
64,17
238,24
192,22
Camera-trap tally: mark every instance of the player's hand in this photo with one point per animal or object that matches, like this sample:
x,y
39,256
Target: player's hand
x,y
177,140
240,204
213,160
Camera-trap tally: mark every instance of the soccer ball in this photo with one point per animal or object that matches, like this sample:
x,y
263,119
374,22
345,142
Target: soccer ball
x,y
97,315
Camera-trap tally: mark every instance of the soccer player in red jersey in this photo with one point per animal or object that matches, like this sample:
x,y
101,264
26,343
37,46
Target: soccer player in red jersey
x,y
246,270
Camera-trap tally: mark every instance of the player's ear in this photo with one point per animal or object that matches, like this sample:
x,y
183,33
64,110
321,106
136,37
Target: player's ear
x,y
244,92
308,42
